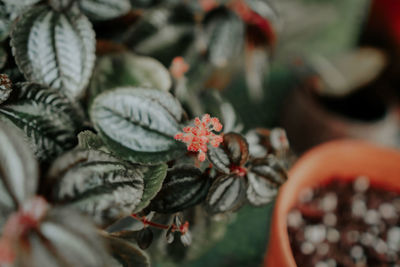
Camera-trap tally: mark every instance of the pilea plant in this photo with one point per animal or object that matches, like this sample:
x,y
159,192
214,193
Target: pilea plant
x,y
109,143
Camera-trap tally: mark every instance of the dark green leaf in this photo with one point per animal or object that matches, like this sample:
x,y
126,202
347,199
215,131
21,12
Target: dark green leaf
x,y
127,69
184,187
144,238
225,35
18,169
127,254
139,124
104,9
49,119
260,191
55,49
227,193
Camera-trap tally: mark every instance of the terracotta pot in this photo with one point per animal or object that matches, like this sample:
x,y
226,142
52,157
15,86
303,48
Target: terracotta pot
x,y
337,159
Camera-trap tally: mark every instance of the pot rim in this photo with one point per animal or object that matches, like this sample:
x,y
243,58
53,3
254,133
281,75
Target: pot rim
x,y
344,159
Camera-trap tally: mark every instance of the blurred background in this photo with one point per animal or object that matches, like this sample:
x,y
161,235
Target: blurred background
x,y
334,73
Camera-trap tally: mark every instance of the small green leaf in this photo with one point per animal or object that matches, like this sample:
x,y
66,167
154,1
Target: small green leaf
x,y
184,187
55,49
126,253
48,118
18,169
127,69
226,194
104,9
153,181
89,140
139,124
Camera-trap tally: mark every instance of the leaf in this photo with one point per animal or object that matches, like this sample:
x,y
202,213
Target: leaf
x,y
89,140
184,187
49,119
225,35
153,182
63,238
104,9
21,2
233,152
269,168
260,191
127,69
226,194
18,169
3,56
55,49
127,254
139,124
106,190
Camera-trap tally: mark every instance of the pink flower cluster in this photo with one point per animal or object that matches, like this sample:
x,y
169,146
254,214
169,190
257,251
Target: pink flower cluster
x,y
197,137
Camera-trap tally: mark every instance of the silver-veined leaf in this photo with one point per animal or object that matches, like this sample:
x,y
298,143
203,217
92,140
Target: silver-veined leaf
x,y
184,187
232,153
47,117
104,9
63,238
105,189
128,69
270,168
227,193
18,170
139,124
55,49
260,190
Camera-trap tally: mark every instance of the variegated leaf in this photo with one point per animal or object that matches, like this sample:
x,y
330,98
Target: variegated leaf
x,y
127,69
47,117
139,124
55,49
227,193
104,9
106,190
233,152
18,170
269,168
127,254
260,190
21,2
225,34
184,187
63,238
